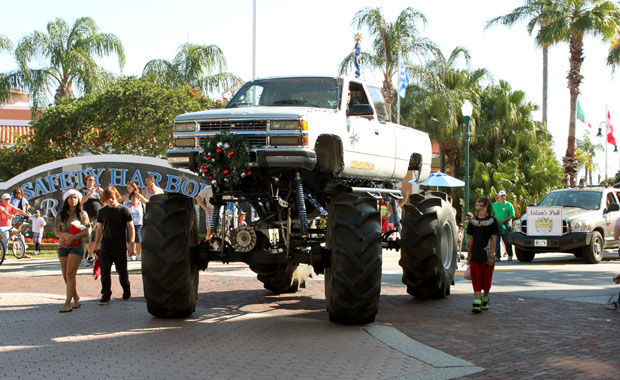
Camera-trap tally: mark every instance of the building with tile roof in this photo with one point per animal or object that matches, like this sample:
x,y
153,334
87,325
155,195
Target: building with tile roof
x,y
15,117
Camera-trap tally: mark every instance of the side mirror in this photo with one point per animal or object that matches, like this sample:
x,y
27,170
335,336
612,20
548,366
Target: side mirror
x,y
613,207
360,110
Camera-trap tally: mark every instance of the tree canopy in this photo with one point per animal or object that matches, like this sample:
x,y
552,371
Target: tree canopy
x,y
68,54
201,66
132,116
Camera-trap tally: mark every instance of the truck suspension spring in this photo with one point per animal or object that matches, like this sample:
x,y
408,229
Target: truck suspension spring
x,y
301,205
215,220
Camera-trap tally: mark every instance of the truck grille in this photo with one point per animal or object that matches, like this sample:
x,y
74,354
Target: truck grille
x,y
254,141
227,125
564,227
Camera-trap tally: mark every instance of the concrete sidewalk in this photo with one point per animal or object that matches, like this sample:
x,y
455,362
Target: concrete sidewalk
x,y
122,341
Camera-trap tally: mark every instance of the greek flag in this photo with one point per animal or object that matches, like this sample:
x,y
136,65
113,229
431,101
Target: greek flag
x,y
403,78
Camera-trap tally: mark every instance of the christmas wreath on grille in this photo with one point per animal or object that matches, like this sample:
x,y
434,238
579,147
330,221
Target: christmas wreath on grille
x,y
225,159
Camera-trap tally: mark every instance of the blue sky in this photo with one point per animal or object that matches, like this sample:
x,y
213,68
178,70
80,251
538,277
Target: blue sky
x,y
312,37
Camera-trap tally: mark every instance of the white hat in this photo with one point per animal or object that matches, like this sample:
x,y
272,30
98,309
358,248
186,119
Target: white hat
x,y
72,192
6,196
501,192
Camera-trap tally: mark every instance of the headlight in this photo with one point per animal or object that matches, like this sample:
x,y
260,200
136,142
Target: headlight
x,y
185,142
580,226
284,124
185,127
516,226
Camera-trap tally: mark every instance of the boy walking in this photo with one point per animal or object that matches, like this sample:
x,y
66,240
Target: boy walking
x,y
114,223
38,229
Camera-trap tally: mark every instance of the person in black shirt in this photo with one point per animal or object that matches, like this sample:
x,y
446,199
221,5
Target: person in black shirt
x,y
113,223
482,230
91,203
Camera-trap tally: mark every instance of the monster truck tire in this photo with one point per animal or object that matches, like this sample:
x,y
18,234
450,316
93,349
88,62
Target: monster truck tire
x,y
278,278
524,256
353,281
593,253
428,246
169,276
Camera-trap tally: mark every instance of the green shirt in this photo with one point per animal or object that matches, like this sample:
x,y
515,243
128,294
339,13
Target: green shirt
x,y
503,211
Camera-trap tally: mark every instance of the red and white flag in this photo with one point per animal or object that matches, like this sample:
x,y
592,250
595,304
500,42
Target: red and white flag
x,y
610,131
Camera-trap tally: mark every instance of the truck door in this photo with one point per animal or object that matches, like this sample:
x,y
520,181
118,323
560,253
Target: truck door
x,y
385,132
371,142
610,220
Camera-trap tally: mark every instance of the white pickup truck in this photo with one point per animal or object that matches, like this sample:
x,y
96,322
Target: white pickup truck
x,y
318,149
332,124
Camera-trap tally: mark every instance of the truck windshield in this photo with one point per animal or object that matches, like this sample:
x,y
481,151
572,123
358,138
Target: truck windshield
x,y
589,200
289,92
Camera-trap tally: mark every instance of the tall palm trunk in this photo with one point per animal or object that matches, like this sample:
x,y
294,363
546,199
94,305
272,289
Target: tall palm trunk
x,y
545,54
574,81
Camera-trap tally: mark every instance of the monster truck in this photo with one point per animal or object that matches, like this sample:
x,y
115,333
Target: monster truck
x,y
308,159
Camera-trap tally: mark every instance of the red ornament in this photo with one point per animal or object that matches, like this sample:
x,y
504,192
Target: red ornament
x,y
204,170
249,172
231,153
210,177
219,150
226,171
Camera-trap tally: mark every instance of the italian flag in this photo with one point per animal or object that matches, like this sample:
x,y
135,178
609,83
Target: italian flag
x,y
582,116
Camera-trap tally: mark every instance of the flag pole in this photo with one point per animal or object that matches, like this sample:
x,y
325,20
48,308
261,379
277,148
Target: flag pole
x,y
606,141
398,104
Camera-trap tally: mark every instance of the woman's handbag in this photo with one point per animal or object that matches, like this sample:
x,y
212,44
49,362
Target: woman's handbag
x,y
467,274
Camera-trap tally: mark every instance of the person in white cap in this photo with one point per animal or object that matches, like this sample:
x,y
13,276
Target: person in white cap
x,y
504,212
72,227
7,210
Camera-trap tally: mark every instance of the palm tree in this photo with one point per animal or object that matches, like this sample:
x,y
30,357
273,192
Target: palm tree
x,y
588,149
195,66
387,39
570,21
530,10
446,87
69,53
5,86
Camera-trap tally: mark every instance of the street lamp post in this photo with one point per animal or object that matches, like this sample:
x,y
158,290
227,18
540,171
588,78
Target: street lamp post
x,y
466,110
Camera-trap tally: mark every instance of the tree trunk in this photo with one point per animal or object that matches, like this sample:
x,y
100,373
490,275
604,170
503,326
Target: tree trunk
x,y
64,90
574,81
388,92
442,159
545,52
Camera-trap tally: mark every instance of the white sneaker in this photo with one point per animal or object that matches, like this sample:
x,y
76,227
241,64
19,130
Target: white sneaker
x,y
139,257
84,262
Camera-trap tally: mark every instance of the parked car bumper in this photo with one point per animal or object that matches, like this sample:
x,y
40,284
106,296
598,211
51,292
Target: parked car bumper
x,y
554,243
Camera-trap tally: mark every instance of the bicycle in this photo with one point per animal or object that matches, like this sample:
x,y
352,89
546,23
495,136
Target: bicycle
x,y
17,242
2,251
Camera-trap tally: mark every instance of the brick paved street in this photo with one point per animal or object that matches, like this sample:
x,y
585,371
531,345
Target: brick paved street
x,y
243,331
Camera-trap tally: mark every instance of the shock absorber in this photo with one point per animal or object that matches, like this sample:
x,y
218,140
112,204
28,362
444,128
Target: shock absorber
x,y
301,205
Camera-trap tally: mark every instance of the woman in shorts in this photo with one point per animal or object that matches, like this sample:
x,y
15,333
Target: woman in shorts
x,y
70,250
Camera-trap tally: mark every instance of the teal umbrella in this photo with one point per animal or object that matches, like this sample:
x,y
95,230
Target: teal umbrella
x,y
439,179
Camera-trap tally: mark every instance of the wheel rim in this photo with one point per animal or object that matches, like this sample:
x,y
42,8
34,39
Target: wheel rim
x,y
447,246
598,247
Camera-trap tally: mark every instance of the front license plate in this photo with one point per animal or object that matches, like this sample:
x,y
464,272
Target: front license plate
x,y
540,243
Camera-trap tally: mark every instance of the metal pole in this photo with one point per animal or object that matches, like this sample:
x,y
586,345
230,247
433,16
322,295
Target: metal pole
x,y
398,107
606,143
254,40
467,135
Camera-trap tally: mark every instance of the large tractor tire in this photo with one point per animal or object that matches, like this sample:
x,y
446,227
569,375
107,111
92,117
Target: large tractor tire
x,y
353,281
169,276
524,256
593,253
278,278
428,246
